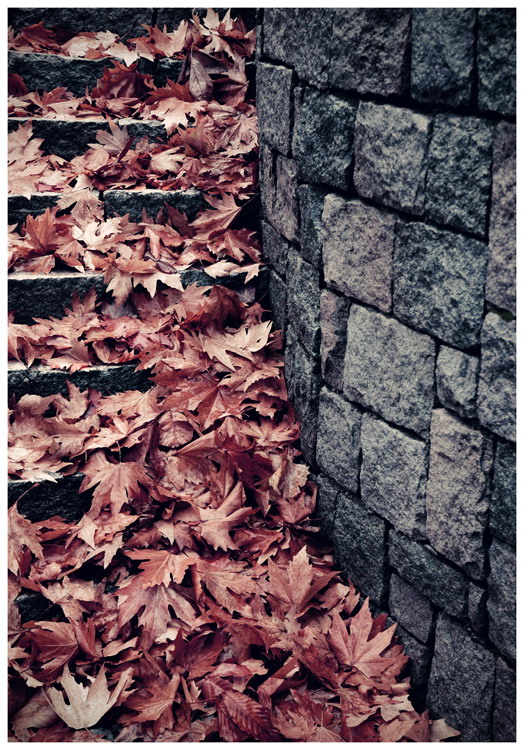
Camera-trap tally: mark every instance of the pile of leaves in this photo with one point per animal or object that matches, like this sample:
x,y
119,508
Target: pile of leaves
x,y
194,600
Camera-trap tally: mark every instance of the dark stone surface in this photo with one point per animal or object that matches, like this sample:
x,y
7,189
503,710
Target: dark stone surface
x,y
278,300
266,176
502,598
442,55
167,69
457,377
323,138
505,711
496,398
391,145
274,84
124,21
18,206
120,202
439,282
107,380
284,210
477,612
47,296
34,606
429,574
303,300
457,492
360,547
311,203
411,608
503,506
459,173
303,380
275,248
389,368
420,661
496,58
500,283
47,499
369,52
327,503
42,72
338,441
393,476
358,250
462,681
334,311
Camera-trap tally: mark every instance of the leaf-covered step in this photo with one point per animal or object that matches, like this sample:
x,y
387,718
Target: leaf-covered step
x,y
44,296
70,138
43,72
44,381
19,206
125,21
38,501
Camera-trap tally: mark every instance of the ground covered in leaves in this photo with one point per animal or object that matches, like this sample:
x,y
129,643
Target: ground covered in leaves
x,y
194,600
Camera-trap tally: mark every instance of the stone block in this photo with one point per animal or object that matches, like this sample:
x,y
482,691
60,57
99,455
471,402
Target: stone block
x,y
496,392
391,145
417,563
266,171
462,681
457,492
274,84
360,547
459,173
500,283
389,368
369,50
124,21
411,608
43,500
284,213
419,660
275,247
19,206
457,377
358,250
303,300
323,138
393,476
503,505
496,60
327,503
505,711
477,612
338,441
439,282
442,55
311,204
44,72
302,369
334,312
278,300
502,598
132,202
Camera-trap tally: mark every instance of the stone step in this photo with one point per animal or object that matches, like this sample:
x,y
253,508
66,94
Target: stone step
x,y
44,72
70,138
41,500
44,381
117,203
127,22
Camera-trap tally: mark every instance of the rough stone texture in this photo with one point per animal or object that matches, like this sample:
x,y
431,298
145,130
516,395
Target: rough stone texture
x,y
502,598
338,441
47,499
420,659
274,104
360,547
284,213
457,377
439,281
477,612
278,300
124,21
442,55
462,681
303,300
417,563
496,58
166,69
389,368
459,172
393,476
18,206
391,145
457,492
266,172
334,312
275,248
327,503
503,505
500,283
358,250
32,296
120,202
369,52
323,138
42,72
496,391
311,204
505,711
411,608
305,386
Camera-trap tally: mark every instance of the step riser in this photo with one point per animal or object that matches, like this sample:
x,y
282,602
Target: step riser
x,y
44,500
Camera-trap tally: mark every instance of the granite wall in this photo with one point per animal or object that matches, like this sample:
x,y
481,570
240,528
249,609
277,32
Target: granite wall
x,y
388,198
